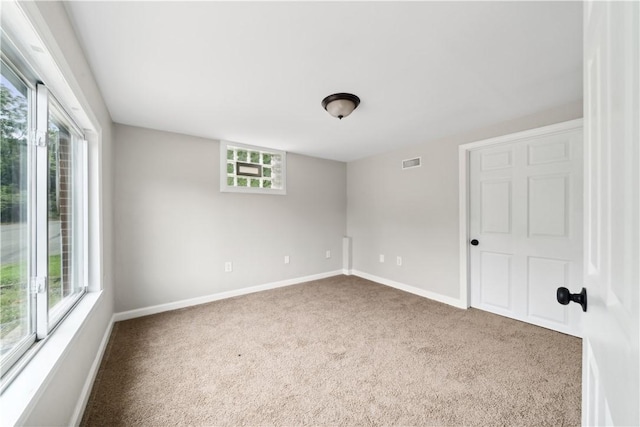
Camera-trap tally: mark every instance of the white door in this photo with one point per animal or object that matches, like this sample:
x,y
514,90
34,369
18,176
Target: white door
x,y
611,379
526,218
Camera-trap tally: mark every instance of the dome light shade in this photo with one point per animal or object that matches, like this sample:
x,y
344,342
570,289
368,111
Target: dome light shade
x,y
340,104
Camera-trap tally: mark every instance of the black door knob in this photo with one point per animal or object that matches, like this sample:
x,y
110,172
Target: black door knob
x,y
565,297
474,242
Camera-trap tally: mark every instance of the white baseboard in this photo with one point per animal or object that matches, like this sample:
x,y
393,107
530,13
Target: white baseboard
x,y
76,418
412,289
139,312
346,272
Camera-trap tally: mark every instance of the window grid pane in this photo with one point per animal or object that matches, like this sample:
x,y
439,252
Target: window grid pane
x,y
64,218
16,303
270,162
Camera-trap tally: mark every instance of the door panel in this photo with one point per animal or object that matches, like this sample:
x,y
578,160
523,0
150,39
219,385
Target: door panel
x,y
548,206
545,275
611,371
551,150
526,212
496,206
500,159
495,279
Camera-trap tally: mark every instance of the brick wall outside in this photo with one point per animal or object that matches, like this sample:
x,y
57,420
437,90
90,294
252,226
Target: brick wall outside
x,y
65,206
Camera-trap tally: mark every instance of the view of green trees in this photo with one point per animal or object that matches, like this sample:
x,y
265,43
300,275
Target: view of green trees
x,y
13,205
13,154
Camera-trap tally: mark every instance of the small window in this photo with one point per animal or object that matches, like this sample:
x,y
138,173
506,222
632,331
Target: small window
x,y
248,169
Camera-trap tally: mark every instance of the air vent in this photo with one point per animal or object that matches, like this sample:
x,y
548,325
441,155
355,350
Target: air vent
x,y
411,163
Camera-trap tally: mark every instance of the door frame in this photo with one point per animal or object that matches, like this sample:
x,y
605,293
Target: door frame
x,y
464,151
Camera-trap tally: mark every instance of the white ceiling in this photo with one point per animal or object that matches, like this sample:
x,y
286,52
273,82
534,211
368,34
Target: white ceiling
x,y
256,73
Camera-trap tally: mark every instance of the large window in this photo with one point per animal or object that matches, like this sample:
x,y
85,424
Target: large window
x,y
43,208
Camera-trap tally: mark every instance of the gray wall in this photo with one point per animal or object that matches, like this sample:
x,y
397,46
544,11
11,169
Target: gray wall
x,y
175,229
414,213
60,396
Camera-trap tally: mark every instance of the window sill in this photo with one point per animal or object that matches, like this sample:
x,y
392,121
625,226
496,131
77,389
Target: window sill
x,y
17,400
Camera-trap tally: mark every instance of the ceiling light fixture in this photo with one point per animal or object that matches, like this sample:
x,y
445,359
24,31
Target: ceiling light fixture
x,y
340,104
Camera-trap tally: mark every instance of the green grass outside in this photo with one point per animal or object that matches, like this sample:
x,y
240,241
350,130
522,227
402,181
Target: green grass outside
x,y
13,283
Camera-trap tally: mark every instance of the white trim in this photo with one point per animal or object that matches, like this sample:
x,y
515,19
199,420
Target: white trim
x,y
463,188
525,134
463,195
145,311
85,213
455,302
40,186
76,418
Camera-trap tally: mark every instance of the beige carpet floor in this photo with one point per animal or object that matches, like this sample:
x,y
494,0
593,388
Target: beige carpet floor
x,y
338,351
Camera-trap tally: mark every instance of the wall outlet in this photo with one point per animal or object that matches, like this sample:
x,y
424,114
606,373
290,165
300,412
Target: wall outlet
x,y
327,254
286,259
228,267
381,258
399,260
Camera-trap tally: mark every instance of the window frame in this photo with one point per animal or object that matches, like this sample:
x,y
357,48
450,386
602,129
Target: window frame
x,y
44,320
226,188
58,312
